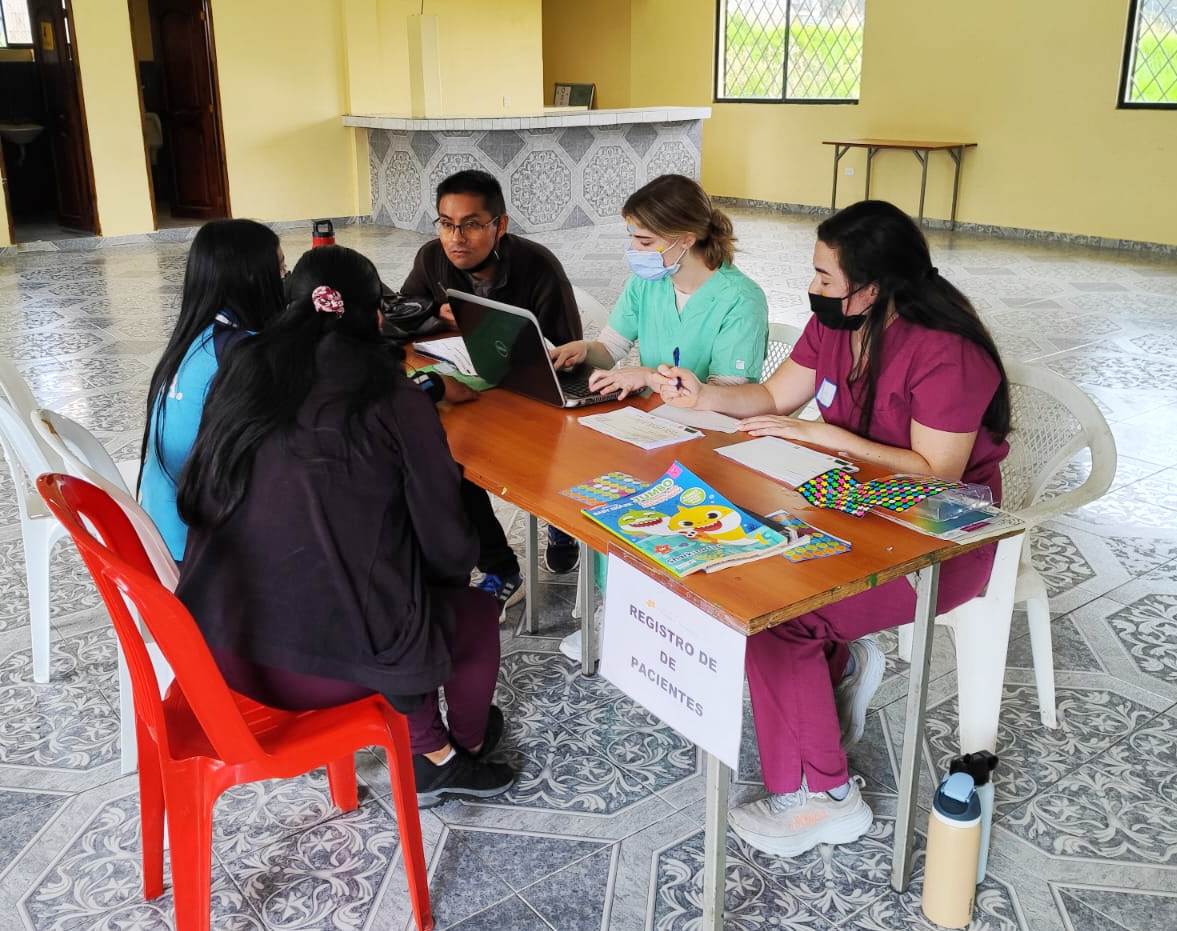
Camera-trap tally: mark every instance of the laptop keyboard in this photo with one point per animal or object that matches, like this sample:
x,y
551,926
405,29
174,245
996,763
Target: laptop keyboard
x,y
576,385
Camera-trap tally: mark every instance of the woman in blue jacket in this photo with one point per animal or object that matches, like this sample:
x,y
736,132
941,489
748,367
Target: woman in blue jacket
x,y
232,286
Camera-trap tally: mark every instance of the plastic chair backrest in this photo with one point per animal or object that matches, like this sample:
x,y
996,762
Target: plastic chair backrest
x,y
85,457
20,396
120,569
591,310
26,459
782,337
1052,421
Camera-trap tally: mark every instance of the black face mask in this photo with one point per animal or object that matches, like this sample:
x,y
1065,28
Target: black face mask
x,y
828,311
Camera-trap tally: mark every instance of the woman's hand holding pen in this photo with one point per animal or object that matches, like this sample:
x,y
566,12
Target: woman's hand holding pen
x,y
678,387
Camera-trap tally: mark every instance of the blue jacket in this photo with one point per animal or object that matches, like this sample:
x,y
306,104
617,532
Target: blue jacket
x,y
179,412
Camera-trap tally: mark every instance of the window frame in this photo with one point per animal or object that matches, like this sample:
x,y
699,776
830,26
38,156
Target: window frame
x,y
776,101
1122,103
4,30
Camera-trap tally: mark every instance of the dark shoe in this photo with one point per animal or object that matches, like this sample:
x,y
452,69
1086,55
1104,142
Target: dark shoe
x,y
462,777
506,590
563,552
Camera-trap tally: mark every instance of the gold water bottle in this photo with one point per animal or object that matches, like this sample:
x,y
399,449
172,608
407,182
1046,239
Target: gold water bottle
x,y
954,845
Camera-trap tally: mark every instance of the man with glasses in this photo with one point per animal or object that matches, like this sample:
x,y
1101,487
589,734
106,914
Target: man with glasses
x,y
474,252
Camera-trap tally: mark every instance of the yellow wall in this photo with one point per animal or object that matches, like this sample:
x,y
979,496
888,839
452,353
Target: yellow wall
x,y
490,51
1033,83
283,85
572,57
110,87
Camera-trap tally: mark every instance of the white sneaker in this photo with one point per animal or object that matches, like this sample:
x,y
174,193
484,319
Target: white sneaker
x,y
788,825
854,693
570,646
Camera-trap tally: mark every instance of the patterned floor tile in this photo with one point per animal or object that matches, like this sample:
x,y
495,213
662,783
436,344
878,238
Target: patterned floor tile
x,y
1095,909
71,590
1034,757
1119,806
326,877
64,724
96,883
576,897
512,913
461,882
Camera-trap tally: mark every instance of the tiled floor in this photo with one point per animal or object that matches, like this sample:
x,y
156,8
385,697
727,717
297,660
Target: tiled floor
x,y
603,828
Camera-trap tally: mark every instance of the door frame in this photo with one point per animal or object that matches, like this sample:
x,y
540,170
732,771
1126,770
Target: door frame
x,y
214,76
7,198
76,62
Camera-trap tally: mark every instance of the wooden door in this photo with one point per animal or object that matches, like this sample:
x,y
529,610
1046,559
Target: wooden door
x,y
191,118
64,108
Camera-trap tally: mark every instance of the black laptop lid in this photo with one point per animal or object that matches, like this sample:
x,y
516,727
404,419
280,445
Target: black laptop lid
x,y
506,346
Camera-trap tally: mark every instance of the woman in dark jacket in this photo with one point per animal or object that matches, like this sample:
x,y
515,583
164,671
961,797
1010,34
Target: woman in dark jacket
x,y
328,554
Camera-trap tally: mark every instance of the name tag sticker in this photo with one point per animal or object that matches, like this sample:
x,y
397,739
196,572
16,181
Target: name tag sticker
x,y
739,365
825,394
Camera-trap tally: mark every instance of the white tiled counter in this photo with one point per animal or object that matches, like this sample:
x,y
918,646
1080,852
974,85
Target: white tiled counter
x,y
558,170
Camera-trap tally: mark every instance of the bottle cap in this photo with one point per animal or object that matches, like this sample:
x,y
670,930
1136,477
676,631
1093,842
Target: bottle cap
x,y
979,765
956,799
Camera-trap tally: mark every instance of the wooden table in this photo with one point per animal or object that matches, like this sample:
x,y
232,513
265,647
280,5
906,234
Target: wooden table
x,y
528,453
921,150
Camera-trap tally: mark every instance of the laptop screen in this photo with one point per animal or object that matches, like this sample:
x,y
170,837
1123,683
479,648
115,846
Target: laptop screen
x,y
506,347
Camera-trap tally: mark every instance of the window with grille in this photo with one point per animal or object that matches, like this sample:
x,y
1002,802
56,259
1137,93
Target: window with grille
x,y
789,51
15,29
1150,55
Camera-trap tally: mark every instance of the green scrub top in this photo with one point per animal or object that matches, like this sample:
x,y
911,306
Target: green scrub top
x,y
721,331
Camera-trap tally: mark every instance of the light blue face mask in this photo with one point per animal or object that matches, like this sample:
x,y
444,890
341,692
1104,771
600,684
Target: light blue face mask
x,y
648,265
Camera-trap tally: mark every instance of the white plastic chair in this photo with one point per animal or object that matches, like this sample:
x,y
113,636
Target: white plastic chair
x,y
27,458
1053,421
85,457
782,337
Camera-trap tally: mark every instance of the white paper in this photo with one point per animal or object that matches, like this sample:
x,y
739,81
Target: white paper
x,y
783,461
452,350
704,420
677,661
630,425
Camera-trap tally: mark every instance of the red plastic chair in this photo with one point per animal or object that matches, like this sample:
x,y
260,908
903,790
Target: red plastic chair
x,y
202,738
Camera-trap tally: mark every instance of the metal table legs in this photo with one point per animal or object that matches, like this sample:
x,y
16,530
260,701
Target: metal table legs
x,y
589,634
927,585
531,575
839,151
719,777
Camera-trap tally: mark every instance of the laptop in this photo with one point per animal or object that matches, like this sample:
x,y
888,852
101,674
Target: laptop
x,y
509,351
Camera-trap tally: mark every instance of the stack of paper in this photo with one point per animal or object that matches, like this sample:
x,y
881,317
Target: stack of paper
x,y
783,461
704,420
451,350
631,425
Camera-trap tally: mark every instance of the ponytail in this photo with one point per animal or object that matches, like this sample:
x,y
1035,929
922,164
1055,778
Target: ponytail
x,y
719,247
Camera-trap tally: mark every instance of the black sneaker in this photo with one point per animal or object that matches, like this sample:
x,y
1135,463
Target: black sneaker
x,y
463,776
494,733
563,552
507,590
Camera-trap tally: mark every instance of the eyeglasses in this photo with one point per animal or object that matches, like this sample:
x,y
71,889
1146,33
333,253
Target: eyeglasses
x,y
467,228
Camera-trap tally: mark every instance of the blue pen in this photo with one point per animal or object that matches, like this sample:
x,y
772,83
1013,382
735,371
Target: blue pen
x,y
677,381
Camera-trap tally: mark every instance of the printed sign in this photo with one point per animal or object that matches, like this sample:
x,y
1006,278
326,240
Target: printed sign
x,y
675,660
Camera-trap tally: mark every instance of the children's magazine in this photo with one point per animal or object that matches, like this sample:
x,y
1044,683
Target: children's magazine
x,y
685,525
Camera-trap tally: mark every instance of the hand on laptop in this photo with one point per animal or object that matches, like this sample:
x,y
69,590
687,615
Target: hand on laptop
x,y
626,381
569,355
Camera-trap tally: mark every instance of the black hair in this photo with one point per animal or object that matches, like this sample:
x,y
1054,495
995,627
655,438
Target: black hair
x,y
473,181
879,244
232,265
264,382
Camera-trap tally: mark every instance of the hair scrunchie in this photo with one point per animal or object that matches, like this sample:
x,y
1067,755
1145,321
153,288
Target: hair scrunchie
x,y
932,273
327,300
